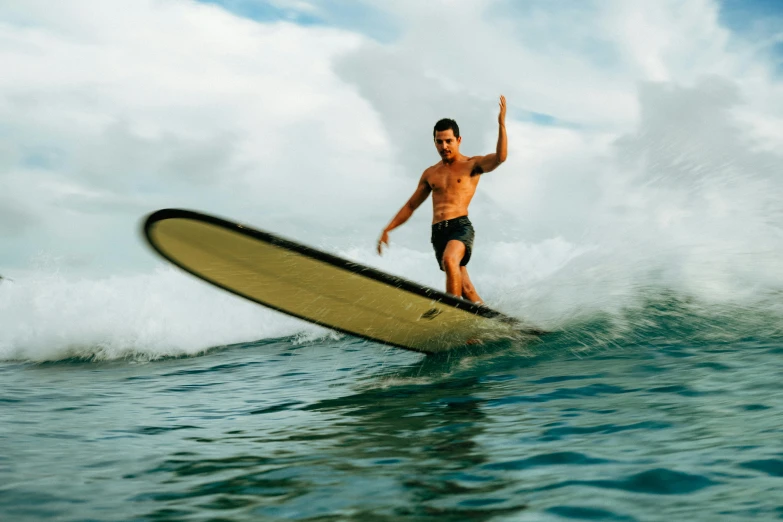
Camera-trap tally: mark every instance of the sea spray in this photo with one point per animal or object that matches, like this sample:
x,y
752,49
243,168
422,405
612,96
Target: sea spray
x,y
675,230
51,316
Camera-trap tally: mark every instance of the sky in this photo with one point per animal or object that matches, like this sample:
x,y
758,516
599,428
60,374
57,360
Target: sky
x,y
313,119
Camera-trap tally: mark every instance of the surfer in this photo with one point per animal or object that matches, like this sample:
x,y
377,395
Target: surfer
x,y
452,182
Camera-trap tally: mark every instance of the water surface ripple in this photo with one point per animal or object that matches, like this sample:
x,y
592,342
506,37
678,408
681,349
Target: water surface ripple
x,y
348,430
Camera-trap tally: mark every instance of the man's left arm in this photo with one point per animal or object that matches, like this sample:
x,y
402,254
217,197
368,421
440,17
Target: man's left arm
x,y
490,162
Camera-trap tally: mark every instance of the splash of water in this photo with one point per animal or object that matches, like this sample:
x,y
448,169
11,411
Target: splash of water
x,y
675,230
50,316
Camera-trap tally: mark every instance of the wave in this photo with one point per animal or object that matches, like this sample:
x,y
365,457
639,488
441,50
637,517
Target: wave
x,y
49,316
592,300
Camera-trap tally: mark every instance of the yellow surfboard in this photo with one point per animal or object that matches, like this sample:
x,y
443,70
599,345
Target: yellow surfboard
x,y
322,288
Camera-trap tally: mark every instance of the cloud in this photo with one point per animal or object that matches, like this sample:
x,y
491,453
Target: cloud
x,y
14,218
182,103
175,103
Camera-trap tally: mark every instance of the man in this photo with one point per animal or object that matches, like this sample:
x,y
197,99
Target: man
x,y
452,182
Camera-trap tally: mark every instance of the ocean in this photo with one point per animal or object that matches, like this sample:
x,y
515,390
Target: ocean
x,y
158,397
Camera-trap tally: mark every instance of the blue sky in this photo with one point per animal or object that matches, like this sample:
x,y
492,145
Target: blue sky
x,y
760,20
358,16
745,14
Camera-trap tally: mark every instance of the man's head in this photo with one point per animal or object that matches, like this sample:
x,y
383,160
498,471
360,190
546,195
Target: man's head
x,y
447,138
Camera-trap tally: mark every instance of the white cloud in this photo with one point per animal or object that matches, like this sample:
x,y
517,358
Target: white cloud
x,y
176,102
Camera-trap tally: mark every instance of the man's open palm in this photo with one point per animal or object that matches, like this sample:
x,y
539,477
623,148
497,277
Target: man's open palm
x,y
502,115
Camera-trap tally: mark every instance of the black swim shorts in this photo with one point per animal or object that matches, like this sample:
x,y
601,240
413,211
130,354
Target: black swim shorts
x,y
459,229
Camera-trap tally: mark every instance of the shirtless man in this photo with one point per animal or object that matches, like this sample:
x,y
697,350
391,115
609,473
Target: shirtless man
x,y
453,182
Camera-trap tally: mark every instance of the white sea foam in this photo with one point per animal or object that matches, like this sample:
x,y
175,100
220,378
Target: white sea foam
x,y
46,315
50,316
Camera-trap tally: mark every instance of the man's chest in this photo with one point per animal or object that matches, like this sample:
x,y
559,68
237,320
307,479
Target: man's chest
x,y
452,179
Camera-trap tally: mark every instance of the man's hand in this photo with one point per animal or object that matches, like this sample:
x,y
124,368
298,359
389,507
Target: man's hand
x,y
384,240
502,115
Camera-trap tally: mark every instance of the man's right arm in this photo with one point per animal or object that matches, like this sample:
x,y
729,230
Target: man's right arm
x,y
422,193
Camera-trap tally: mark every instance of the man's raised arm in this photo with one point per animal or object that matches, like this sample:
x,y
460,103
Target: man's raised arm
x,y
422,192
490,162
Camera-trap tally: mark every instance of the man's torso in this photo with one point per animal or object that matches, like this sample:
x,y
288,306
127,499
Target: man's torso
x,y
453,186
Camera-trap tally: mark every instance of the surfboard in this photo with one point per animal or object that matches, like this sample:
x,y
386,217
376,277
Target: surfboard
x,y
323,288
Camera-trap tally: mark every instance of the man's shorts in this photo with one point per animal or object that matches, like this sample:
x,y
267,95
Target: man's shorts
x,y
459,229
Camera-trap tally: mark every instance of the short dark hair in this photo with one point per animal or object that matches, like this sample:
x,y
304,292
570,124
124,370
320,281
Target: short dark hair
x,y
446,124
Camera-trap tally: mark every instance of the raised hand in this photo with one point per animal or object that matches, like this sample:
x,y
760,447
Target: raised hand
x,y
502,115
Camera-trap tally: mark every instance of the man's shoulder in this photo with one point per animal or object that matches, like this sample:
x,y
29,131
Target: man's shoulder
x,y
472,163
432,168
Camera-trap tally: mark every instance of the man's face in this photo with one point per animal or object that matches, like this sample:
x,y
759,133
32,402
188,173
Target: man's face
x,y
447,144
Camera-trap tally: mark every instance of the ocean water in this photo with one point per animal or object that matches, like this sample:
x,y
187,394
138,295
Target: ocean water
x,y
664,409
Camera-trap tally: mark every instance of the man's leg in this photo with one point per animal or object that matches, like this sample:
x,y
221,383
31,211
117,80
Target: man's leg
x,y
468,290
452,257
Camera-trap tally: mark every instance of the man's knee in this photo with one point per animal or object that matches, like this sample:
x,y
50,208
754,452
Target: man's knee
x,y
451,263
